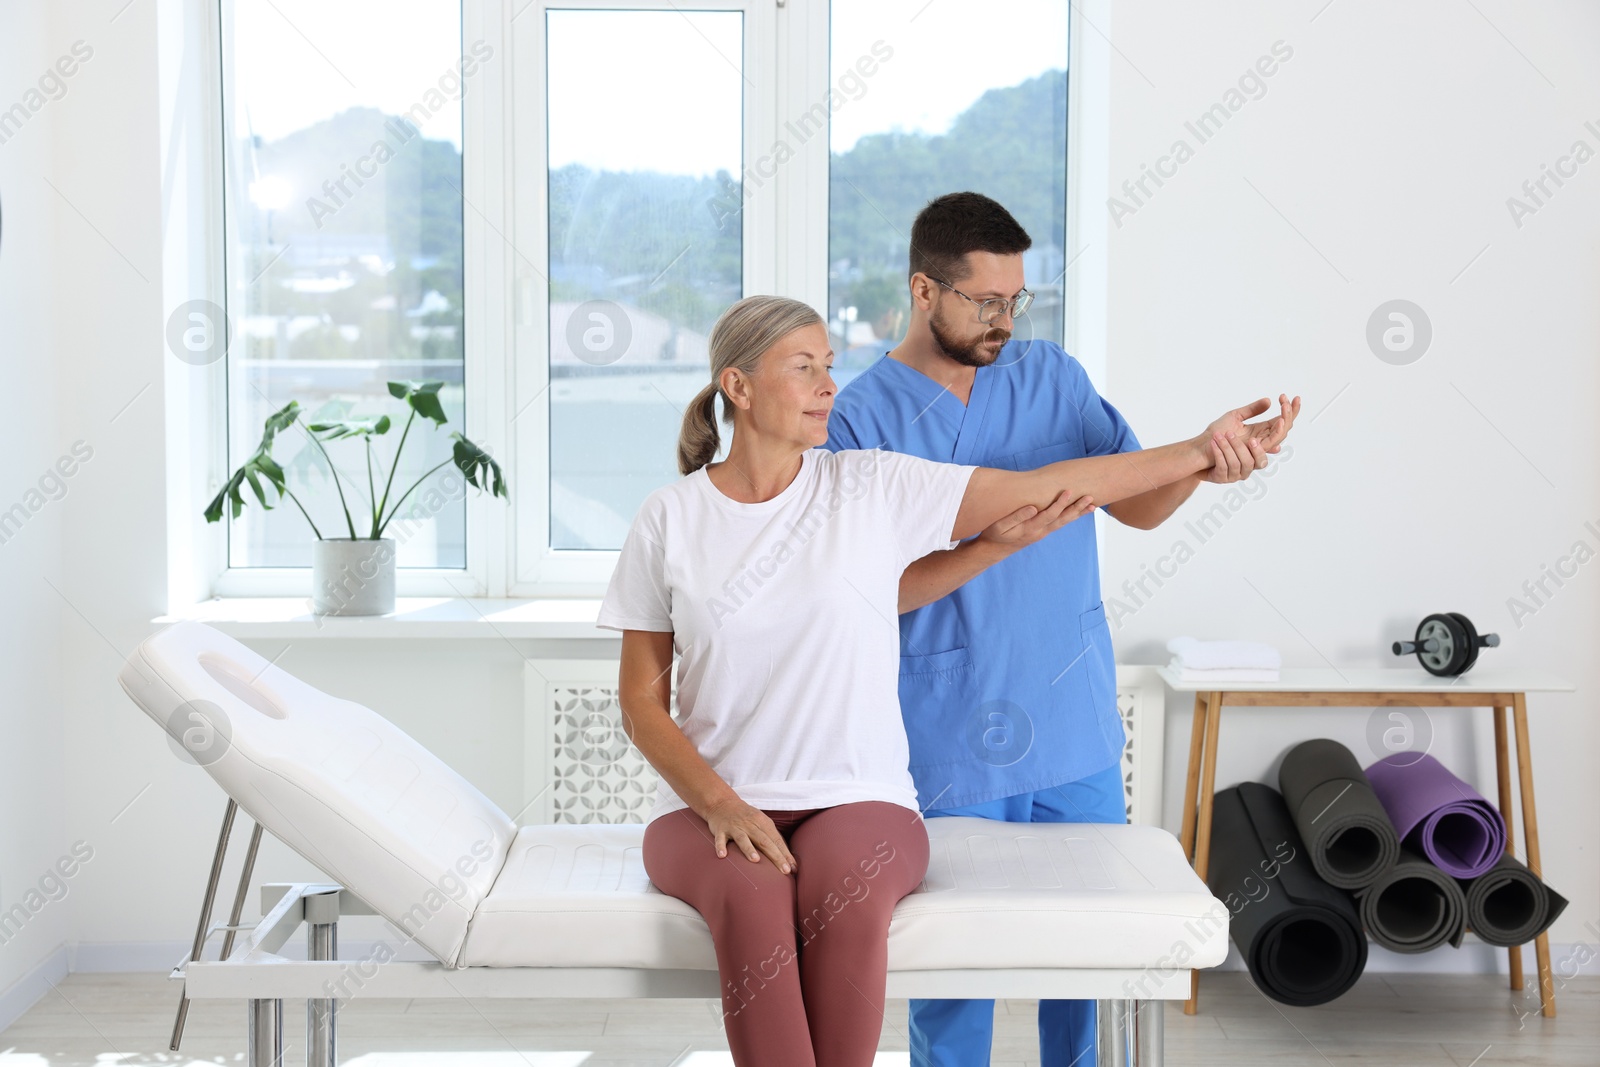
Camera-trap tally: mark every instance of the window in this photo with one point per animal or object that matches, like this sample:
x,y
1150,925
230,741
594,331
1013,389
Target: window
x,y
926,114
645,143
345,265
545,204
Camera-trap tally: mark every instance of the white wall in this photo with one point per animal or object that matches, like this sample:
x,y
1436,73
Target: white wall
x,y
1376,166
33,832
1390,139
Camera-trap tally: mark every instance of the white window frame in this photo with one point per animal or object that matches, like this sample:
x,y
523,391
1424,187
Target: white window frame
x,y
785,250
483,359
538,569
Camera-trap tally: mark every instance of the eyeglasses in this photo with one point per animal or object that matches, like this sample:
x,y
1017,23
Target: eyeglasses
x,y
989,310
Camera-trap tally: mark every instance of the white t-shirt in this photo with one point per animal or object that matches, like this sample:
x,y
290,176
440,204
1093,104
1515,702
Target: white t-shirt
x,y
785,617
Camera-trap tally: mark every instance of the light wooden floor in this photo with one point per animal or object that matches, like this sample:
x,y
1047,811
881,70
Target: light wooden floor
x,y
1388,1020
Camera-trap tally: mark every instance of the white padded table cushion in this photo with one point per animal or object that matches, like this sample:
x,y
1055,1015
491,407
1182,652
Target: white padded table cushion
x,y
997,895
333,780
578,896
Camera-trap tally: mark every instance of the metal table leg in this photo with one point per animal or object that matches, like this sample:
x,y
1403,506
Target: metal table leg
x,y
205,914
1111,1033
264,1041
1149,1032
322,943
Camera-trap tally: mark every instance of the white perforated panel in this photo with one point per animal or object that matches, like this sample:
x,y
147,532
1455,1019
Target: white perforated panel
x,y
581,768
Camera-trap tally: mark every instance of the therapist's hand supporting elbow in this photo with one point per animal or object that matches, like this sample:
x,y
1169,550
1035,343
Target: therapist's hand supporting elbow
x,y
935,575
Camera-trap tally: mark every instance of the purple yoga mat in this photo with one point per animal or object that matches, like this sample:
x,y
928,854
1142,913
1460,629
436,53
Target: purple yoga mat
x,y
1438,814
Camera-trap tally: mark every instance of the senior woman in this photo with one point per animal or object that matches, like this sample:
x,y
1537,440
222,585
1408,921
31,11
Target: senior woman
x,y
774,576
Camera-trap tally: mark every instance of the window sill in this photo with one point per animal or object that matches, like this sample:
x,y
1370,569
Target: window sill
x,y
413,617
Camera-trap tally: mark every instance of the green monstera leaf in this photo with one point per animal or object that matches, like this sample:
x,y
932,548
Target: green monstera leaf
x,y
332,431
474,462
259,466
333,423
423,398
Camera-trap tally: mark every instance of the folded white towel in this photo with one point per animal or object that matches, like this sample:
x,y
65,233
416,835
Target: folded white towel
x,y
1222,674
1213,655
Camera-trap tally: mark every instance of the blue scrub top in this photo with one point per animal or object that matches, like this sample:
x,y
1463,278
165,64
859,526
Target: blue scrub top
x,y
1007,685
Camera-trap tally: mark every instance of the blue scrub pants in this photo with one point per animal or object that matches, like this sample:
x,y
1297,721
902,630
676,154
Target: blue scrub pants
x,y
959,1033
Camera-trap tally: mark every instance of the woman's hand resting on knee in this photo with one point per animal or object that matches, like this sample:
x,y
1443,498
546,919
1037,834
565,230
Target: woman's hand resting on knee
x,y
751,830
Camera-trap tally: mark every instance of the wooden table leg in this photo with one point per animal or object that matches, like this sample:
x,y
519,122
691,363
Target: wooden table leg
x,y
1530,835
1191,789
1502,767
1202,847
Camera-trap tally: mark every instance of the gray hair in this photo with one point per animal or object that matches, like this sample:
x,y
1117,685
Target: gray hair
x,y
742,334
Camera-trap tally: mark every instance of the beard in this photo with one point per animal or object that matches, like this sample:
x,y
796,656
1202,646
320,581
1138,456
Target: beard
x,y
970,353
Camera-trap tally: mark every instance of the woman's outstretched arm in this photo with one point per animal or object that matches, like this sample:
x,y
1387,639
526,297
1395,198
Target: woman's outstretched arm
x,y
992,493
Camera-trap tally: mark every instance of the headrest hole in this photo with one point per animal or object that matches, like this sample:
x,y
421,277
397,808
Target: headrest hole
x,y
232,677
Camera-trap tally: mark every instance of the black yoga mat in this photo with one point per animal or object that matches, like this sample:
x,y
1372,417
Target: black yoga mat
x,y
1300,937
1349,835
1414,906
1510,905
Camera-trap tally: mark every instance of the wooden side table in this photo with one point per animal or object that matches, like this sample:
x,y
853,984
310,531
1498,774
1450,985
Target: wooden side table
x,y
1371,688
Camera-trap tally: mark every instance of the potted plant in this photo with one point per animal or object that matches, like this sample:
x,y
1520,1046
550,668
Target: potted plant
x,y
355,575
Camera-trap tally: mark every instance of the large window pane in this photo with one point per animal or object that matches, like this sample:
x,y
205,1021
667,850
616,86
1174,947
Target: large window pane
x,y
345,260
645,141
935,116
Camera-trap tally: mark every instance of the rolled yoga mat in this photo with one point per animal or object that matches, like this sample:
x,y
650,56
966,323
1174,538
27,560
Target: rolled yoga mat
x,y
1415,906
1300,937
1346,830
1510,905
1438,814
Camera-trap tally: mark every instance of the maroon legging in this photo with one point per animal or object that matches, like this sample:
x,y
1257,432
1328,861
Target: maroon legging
x,y
803,956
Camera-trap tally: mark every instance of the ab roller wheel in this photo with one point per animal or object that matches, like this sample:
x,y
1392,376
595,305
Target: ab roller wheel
x,y
1446,644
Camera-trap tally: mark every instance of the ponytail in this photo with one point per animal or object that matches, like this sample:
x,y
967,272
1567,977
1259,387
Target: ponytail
x,y
699,440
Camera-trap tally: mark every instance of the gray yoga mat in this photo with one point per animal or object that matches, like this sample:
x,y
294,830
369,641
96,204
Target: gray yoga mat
x,y
1300,937
1414,906
1510,905
1348,834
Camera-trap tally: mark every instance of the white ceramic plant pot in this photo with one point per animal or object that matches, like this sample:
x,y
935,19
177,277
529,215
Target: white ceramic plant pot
x,y
352,577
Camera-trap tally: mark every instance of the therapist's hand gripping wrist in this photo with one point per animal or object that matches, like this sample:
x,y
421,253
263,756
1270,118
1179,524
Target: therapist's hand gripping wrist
x,y
1238,448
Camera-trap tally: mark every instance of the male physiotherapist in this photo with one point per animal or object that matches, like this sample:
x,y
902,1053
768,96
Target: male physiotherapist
x,y
1007,682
